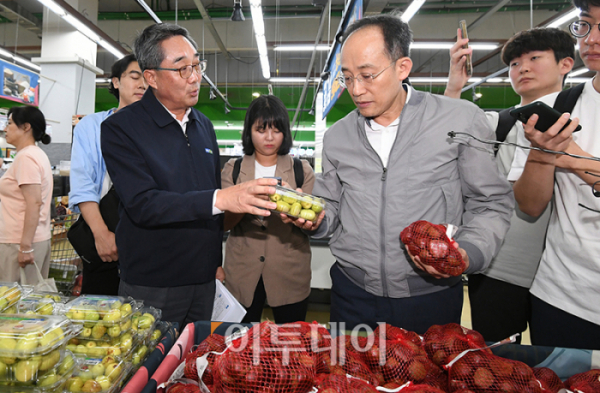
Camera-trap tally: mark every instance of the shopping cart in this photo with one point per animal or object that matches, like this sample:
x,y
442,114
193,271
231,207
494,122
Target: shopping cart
x,y
64,261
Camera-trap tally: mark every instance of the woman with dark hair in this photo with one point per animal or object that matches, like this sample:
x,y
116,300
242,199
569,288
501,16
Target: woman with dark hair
x,y
25,197
265,259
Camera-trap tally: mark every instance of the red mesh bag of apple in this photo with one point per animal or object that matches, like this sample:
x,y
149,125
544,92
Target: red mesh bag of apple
x,y
343,384
586,382
265,360
479,371
433,247
403,360
550,382
213,343
444,342
420,388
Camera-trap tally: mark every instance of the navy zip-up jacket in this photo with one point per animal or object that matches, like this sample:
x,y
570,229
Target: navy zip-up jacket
x,y
167,235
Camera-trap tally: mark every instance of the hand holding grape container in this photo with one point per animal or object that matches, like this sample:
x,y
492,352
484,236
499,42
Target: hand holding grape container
x,y
297,204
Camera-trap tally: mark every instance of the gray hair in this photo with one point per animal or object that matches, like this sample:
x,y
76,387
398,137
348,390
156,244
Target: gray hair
x,y
397,35
147,47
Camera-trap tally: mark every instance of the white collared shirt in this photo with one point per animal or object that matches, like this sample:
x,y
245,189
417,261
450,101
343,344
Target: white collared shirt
x,y
382,138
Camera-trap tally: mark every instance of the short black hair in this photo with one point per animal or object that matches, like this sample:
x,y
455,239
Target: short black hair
x,y
22,115
542,39
586,4
147,47
273,113
117,70
397,35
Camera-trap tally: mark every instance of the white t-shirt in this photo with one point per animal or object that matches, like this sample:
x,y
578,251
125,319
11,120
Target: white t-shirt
x,y
518,258
263,171
569,273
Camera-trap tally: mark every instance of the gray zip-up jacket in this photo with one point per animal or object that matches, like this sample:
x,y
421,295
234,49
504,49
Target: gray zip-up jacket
x,y
429,177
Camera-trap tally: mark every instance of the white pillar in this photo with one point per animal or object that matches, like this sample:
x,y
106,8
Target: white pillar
x,y
68,82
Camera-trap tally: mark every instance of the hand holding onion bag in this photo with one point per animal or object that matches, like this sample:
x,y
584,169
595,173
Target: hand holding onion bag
x,y
430,243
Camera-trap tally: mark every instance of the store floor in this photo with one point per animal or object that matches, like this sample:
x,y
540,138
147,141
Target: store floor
x,y
320,312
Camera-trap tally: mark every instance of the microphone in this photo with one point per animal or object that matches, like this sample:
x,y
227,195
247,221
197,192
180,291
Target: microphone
x,y
453,134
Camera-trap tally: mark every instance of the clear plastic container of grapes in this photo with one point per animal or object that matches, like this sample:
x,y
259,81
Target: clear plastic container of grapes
x,y
10,294
297,204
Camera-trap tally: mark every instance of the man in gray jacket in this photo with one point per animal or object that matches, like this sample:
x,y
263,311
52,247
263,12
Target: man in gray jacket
x,y
391,163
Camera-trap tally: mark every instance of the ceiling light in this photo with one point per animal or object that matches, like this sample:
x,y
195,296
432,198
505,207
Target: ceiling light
x,y
301,48
577,80
259,33
83,27
578,72
102,80
412,10
18,59
237,15
561,21
149,11
256,95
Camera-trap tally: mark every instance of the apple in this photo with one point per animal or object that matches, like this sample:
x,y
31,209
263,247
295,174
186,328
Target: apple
x,y
113,315
114,331
289,199
26,370
114,351
282,206
104,381
113,370
98,331
116,305
125,325
74,384
317,207
306,202
308,215
81,349
156,334
7,345
48,380
78,314
45,309
92,315
90,344
126,342
66,364
91,386
275,197
86,332
50,360
97,369
48,339
295,209
125,309
27,343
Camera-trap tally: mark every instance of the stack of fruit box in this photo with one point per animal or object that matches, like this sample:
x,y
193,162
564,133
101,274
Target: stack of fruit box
x,y
41,303
33,355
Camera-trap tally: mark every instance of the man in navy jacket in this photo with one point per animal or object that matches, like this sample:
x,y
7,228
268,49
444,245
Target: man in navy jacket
x,y
163,158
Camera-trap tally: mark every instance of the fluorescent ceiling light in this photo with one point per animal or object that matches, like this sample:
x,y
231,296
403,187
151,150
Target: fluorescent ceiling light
x,y
577,80
82,27
293,80
18,59
448,45
578,72
149,11
412,10
102,80
301,48
561,21
440,80
58,10
259,32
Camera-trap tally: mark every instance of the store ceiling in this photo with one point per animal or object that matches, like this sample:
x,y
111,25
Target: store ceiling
x,y
287,21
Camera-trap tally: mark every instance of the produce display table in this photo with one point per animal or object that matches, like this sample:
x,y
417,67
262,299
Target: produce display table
x,y
565,362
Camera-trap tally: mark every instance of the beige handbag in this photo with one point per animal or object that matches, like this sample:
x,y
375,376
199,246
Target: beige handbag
x,y
45,285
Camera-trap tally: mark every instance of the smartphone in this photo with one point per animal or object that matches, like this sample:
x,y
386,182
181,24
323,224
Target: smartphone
x,y
547,115
463,29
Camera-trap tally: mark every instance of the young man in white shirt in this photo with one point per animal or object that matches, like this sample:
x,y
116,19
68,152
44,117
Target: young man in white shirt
x,y
539,61
565,295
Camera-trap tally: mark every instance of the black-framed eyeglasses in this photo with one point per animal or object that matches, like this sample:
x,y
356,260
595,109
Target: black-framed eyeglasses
x,y
365,78
186,71
595,192
581,28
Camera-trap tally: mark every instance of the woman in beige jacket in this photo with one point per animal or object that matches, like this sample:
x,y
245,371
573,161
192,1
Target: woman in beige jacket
x,y
265,259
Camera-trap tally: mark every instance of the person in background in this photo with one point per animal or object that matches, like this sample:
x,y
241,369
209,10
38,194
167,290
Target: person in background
x,y
163,157
391,163
90,182
266,259
565,306
25,198
539,60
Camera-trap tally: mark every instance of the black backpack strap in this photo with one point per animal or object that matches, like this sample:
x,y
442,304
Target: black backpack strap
x,y
298,172
236,169
566,100
505,124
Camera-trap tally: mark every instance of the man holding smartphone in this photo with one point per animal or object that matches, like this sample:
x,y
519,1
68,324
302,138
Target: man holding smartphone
x,y
539,61
565,296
